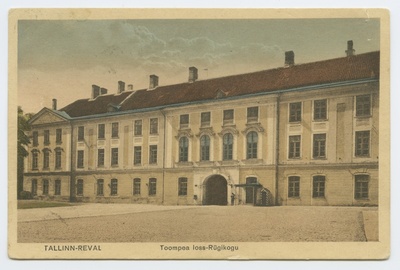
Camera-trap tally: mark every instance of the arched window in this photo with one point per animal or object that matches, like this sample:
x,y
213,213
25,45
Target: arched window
x,y
182,186
79,187
252,139
46,158
35,156
114,187
183,149
361,186
205,148
100,187
251,189
136,186
227,147
45,187
58,156
34,187
318,186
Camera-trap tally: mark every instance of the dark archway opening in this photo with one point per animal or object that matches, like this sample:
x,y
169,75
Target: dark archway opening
x,y
216,191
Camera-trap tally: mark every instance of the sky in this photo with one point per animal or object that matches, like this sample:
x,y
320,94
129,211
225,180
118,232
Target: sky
x,y
62,59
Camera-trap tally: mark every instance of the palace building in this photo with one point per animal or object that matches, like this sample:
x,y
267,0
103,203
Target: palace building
x,y
300,134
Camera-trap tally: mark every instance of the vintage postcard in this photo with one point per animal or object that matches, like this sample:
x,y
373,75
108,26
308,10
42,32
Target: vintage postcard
x,y
199,134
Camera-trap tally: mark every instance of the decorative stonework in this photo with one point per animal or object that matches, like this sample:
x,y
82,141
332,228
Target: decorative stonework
x,y
47,118
253,127
206,131
184,133
228,129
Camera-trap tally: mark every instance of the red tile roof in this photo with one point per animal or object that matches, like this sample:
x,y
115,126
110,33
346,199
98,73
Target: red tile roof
x,y
356,67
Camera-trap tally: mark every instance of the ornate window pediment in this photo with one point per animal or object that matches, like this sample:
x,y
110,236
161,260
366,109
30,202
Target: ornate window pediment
x,y
228,129
206,131
184,133
46,150
253,127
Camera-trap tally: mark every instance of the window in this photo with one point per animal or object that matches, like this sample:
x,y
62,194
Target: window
x,y
153,154
58,158
152,186
205,119
114,130
319,145
294,146
252,139
79,187
100,157
182,186
114,156
46,137
252,114
295,112
363,105
138,128
100,187
46,158
320,109
57,187
45,187
361,187
58,135
183,149
34,187
362,143
35,140
205,148
227,147
137,155
318,186
114,187
81,133
184,121
294,186
35,156
153,125
80,159
101,131
136,186
228,117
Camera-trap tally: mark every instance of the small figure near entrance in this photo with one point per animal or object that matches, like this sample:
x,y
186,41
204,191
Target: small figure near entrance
x,y
233,199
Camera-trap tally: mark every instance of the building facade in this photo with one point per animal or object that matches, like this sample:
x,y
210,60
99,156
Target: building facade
x,y
296,135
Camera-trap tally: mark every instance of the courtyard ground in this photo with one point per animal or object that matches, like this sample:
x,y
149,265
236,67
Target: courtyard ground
x,y
156,223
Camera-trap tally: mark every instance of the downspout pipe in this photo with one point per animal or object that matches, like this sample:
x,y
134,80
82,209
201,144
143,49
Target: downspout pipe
x,y
72,169
277,149
163,166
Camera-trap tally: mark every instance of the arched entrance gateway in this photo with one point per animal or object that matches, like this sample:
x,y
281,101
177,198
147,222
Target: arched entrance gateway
x,y
215,190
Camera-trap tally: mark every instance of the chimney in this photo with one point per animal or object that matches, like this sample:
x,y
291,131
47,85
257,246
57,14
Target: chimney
x,y
95,91
153,81
54,104
192,74
121,87
130,86
289,59
350,51
103,91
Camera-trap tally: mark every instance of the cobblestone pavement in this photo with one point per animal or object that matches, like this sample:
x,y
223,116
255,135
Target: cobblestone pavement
x,y
147,223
